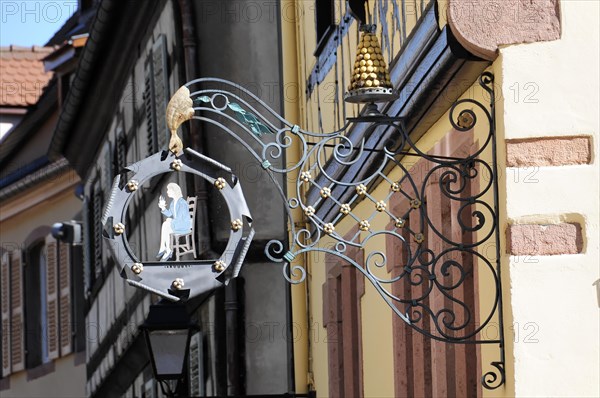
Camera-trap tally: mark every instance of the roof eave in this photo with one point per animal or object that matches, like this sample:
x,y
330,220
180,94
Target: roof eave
x,y
83,75
34,118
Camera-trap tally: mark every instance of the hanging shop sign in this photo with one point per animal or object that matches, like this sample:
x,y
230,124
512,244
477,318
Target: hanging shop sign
x,y
176,272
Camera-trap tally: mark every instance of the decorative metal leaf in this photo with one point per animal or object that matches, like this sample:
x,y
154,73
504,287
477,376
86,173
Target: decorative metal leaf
x,y
249,119
236,108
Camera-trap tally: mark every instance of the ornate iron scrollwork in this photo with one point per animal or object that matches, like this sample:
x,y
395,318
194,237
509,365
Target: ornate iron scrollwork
x,y
437,282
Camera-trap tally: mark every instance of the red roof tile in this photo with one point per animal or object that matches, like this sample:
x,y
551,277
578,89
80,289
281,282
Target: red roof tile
x,y
22,75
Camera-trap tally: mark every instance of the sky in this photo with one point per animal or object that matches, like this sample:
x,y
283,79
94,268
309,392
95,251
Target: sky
x,y
32,22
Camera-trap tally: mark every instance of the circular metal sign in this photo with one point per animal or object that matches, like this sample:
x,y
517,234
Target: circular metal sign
x,y
174,279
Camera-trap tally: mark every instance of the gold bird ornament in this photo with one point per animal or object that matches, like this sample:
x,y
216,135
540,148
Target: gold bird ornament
x,y
179,110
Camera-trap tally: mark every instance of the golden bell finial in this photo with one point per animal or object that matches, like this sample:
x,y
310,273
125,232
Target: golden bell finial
x,y
370,79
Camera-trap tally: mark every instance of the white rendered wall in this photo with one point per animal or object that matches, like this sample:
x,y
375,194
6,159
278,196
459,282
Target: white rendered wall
x,y
553,299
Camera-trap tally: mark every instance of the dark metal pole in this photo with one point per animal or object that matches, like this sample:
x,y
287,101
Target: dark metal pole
x,y
234,382
190,54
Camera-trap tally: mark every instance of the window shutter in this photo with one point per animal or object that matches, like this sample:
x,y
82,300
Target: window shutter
x,y
17,337
161,90
107,167
64,279
5,306
97,231
87,246
120,155
156,95
149,107
196,369
51,297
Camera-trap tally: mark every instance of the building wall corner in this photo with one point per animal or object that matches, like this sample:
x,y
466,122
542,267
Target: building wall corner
x,y
483,26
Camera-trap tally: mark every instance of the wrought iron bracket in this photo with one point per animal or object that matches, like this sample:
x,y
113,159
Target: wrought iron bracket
x,y
331,183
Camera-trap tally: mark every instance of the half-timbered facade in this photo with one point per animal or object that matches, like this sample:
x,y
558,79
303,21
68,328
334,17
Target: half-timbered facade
x,y
142,52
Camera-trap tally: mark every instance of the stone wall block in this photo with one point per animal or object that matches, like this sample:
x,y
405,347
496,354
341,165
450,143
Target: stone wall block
x,y
548,151
544,240
482,26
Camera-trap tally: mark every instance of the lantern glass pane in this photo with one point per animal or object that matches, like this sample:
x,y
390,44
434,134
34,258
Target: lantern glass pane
x,y
168,350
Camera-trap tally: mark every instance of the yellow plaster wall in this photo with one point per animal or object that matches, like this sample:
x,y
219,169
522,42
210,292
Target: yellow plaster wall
x,y
508,388
555,293
318,333
376,315
40,209
66,380
299,33
51,202
325,94
486,286
292,110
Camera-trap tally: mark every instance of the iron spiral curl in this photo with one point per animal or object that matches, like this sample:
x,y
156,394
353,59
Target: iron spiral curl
x,y
495,377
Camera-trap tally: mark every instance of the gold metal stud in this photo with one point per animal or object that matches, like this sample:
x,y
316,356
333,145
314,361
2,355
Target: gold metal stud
x,y
364,225
415,203
400,222
237,224
178,284
220,183
380,206
361,189
328,228
395,187
119,228
419,238
345,209
137,268
465,120
219,265
325,192
176,164
309,211
305,176
132,185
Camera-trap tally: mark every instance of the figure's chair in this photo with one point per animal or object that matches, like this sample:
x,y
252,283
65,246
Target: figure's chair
x,y
185,243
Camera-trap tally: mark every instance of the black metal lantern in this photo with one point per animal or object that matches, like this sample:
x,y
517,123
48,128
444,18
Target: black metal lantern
x,y
168,330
